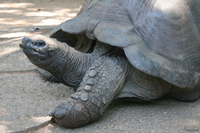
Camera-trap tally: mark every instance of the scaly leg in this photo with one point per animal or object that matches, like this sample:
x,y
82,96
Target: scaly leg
x,y
100,85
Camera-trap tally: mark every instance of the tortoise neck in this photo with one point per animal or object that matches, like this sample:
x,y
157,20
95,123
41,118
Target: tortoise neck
x,y
70,65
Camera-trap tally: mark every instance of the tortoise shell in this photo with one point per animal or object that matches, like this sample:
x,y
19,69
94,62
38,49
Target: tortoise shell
x,y
160,38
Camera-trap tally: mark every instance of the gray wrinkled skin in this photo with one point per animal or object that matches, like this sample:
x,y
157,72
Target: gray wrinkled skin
x,y
136,49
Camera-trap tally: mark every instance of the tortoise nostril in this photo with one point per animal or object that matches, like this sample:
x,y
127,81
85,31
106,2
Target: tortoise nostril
x,y
25,40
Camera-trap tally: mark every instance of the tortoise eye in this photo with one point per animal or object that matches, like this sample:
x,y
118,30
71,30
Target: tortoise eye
x,y
40,44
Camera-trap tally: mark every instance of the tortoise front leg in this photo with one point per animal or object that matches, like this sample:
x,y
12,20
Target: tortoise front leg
x,y
101,83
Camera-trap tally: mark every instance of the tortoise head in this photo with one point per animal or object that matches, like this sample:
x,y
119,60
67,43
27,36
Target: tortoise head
x,y
39,49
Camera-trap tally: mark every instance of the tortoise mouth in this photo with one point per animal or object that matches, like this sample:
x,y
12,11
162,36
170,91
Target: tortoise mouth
x,y
32,51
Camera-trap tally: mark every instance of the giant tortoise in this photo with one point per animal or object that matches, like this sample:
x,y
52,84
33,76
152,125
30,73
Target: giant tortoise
x,y
115,49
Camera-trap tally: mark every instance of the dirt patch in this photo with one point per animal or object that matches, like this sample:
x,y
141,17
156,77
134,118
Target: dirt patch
x,y
26,97
25,13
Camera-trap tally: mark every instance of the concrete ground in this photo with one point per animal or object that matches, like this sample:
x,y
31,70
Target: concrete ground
x,y
26,98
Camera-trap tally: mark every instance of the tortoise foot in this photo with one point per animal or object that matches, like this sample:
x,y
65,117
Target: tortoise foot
x,y
98,88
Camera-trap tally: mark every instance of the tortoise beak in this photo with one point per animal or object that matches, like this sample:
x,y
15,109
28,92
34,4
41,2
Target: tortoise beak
x,y
25,40
33,52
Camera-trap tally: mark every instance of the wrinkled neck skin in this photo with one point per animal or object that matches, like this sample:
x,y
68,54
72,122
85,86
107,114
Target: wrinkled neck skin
x,y
69,65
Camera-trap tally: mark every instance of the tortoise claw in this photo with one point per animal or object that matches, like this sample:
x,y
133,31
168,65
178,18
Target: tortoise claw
x,y
58,112
52,112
